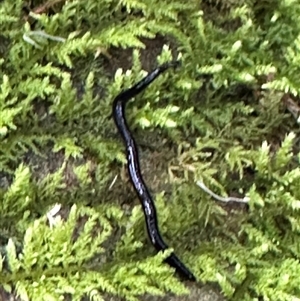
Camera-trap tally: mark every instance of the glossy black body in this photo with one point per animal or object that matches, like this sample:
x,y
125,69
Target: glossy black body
x,y
135,171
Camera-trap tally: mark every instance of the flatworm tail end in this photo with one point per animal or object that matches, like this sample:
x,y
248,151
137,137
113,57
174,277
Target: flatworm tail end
x,y
176,263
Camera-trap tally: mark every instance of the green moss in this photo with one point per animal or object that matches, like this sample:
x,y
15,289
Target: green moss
x,y
220,119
